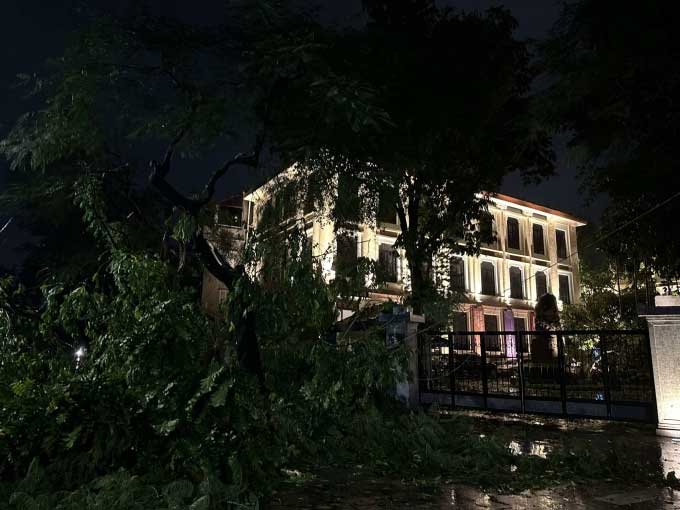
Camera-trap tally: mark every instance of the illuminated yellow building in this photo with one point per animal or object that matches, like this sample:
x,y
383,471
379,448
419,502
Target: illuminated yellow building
x,y
535,252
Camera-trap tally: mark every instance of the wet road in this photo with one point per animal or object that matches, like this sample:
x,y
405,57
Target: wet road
x,y
351,492
383,494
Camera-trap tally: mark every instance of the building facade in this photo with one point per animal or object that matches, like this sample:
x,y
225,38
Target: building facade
x,y
535,252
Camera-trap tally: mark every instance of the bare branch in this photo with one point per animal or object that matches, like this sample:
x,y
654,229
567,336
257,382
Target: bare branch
x,y
240,159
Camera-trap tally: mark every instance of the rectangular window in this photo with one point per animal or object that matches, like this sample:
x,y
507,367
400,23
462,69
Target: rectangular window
x,y
457,270
513,234
387,262
230,216
565,289
521,325
492,341
488,271
346,255
561,242
486,229
516,283
285,201
541,284
461,342
538,242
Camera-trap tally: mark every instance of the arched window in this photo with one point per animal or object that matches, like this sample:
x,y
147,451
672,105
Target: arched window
x,y
488,278
541,284
516,284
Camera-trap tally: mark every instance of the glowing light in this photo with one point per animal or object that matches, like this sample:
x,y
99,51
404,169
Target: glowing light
x,y
79,355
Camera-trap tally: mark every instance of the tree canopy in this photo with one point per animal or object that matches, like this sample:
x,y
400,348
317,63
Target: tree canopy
x,y
454,87
614,87
427,107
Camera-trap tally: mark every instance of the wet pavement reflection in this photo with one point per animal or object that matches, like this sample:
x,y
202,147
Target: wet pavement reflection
x,y
660,454
384,494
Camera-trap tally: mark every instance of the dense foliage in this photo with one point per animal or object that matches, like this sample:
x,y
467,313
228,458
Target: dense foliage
x,y
455,89
608,295
122,391
117,389
613,88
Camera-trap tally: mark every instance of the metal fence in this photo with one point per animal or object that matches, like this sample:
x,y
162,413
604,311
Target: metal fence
x,y
598,373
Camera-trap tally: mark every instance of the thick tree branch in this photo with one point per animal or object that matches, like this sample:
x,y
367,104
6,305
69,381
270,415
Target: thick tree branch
x,y
214,262
160,171
209,190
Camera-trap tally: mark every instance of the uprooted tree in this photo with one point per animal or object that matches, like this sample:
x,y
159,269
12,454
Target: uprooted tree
x,y
126,85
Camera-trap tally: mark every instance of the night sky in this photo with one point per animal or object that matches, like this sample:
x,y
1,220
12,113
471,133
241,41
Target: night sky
x,y
33,30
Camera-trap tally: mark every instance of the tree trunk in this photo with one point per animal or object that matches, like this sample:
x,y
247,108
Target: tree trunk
x,y
417,285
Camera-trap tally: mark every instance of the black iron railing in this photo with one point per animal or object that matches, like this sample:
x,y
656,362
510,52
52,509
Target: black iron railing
x,y
602,373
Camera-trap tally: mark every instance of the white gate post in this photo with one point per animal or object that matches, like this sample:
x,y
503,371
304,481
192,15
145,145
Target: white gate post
x,y
664,341
402,326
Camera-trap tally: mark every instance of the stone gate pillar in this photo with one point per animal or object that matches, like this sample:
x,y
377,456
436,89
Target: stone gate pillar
x,y
663,321
401,326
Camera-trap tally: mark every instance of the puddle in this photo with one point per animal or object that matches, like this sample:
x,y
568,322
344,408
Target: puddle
x,y
535,448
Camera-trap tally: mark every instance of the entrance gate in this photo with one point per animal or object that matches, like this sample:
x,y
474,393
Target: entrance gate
x,y
595,373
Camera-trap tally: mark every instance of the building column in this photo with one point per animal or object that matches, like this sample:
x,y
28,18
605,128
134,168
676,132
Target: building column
x,y
502,264
477,316
664,342
574,264
529,284
552,273
324,239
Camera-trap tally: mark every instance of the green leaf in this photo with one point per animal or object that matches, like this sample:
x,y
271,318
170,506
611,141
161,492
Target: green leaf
x,y
219,397
202,503
72,437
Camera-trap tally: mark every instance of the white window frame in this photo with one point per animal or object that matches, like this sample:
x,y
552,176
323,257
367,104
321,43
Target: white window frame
x,y
468,327
547,282
501,329
546,241
566,241
520,220
381,239
522,314
570,279
495,275
496,244
524,286
465,271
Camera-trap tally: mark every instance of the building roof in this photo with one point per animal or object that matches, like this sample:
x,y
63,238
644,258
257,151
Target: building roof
x,y
538,207
249,195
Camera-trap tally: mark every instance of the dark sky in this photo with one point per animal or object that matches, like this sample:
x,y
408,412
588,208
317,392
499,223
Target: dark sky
x,y
33,30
